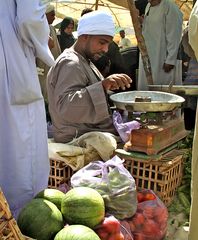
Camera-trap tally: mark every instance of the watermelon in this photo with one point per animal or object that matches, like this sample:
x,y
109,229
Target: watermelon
x,y
40,219
53,195
84,206
76,232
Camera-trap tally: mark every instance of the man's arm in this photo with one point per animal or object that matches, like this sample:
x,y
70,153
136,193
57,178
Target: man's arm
x,y
33,28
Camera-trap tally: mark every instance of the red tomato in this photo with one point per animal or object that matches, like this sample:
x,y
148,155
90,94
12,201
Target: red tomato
x,y
161,214
102,234
139,236
138,220
140,197
111,224
149,211
118,236
149,196
151,228
132,225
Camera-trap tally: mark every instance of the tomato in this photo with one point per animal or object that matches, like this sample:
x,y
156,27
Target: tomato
x,y
111,224
119,236
132,225
149,211
161,214
145,195
102,234
140,197
138,220
151,228
149,196
139,236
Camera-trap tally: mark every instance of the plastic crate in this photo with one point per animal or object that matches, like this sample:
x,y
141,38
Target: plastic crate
x,y
163,175
60,172
9,229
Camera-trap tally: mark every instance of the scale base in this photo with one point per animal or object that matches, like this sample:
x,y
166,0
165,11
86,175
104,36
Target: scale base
x,y
155,138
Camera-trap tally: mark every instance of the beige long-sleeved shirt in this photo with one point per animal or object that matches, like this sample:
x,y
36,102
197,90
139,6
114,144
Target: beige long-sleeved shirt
x,y
77,100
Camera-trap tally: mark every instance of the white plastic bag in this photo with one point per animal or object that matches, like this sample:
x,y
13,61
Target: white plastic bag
x,y
114,182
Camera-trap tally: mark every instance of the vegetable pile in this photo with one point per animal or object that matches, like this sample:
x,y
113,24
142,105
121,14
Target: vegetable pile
x,y
182,200
150,220
112,209
80,214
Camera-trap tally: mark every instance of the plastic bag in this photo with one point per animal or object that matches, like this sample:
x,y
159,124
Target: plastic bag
x,y
113,229
150,220
126,230
124,129
109,228
113,181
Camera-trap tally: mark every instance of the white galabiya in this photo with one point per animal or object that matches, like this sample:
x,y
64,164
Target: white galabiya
x,y
24,164
162,31
193,40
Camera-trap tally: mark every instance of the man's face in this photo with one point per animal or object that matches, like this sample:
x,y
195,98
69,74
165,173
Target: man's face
x,y
50,17
96,46
122,34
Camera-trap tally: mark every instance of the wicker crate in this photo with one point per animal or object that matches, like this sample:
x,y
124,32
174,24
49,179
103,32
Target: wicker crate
x,y
9,229
4,207
163,176
60,172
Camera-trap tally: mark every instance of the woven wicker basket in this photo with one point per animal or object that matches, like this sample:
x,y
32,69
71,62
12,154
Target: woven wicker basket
x,y
60,172
9,229
163,176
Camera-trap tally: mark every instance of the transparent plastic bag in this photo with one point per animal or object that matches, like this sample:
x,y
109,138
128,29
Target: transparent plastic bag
x,y
124,128
114,182
125,230
150,220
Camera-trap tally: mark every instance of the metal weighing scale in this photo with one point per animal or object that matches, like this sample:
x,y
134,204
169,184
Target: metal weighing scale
x,y
158,113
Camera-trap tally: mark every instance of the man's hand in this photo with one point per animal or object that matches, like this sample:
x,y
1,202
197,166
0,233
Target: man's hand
x,y
117,81
167,67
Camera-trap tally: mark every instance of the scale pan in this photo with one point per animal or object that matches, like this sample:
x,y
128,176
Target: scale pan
x,y
159,101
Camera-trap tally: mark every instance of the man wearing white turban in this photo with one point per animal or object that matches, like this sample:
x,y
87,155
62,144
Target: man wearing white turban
x,y
77,92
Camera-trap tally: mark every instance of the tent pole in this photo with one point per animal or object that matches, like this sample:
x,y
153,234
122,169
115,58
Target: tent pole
x,y
96,5
141,42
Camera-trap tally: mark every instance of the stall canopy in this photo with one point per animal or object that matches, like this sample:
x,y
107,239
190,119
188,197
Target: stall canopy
x,y
118,8
73,9
184,5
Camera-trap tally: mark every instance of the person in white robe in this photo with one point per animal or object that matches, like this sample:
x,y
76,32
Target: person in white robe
x,y
193,40
162,31
54,47
24,163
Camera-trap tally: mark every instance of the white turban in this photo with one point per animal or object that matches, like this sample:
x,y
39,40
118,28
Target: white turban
x,y
96,23
50,8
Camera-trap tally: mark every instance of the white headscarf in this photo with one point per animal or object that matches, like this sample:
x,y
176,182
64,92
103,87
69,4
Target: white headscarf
x,y
50,8
96,23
